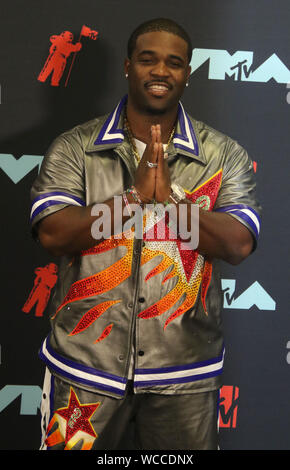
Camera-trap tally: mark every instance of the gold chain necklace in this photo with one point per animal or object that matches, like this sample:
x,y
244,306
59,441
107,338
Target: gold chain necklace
x,y
132,141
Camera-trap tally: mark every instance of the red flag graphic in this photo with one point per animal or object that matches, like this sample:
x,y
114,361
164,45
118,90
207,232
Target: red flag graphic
x,y
86,32
90,33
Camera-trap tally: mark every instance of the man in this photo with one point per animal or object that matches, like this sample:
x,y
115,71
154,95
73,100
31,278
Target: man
x,y
136,328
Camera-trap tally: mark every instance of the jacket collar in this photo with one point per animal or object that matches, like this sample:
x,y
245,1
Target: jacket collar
x,y
185,140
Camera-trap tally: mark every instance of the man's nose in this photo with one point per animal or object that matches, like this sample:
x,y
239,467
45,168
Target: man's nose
x,y
160,69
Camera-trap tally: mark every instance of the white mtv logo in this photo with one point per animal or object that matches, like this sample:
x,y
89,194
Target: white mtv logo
x,y
254,295
30,398
239,66
16,169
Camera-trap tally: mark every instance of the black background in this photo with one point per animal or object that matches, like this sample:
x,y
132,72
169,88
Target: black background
x,y
257,114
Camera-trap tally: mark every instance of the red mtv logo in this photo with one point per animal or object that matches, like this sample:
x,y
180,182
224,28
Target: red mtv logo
x,y
228,407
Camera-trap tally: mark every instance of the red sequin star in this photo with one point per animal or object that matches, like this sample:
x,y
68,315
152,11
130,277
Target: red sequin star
x,y
77,416
205,196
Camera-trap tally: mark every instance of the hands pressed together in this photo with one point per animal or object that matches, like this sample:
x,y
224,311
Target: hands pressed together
x,y
153,183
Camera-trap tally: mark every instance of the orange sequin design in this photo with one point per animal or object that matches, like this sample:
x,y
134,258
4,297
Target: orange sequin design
x,y
189,267
92,315
101,282
105,333
106,279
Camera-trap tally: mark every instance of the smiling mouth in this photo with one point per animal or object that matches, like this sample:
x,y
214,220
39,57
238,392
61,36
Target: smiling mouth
x,y
157,89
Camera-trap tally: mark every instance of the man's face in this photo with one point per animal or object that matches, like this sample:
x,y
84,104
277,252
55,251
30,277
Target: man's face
x,y
157,72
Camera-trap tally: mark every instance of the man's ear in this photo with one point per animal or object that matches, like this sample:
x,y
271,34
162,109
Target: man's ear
x,y
188,72
126,66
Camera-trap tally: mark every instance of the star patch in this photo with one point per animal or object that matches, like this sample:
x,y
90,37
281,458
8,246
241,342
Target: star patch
x,y
77,416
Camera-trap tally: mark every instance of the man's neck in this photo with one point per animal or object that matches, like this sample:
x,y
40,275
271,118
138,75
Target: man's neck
x,y
140,124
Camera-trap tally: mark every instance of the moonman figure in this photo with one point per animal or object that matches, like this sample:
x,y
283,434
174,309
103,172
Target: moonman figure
x,y
136,338
44,282
59,51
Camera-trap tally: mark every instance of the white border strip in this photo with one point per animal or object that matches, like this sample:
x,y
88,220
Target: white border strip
x,y
81,374
64,199
179,374
250,214
107,135
176,140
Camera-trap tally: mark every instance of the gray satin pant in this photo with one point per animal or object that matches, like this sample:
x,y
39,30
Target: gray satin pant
x,y
75,419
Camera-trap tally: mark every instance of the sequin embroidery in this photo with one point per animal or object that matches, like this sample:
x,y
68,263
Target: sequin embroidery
x,y
73,424
188,266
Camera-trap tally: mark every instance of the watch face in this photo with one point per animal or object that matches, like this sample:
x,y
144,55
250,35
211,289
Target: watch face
x,y
178,191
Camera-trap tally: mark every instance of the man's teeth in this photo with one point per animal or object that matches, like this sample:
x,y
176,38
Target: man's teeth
x,y
158,87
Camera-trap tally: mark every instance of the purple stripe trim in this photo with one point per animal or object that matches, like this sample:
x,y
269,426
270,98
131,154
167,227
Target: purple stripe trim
x,y
114,129
179,380
247,219
99,140
89,370
51,396
52,202
235,210
51,402
90,383
57,193
238,206
184,135
194,365
44,206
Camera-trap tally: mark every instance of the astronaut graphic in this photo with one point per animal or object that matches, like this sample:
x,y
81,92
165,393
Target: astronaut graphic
x,y
61,48
44,282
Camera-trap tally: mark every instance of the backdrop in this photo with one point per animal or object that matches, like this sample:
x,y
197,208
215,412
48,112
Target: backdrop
x,y
240,85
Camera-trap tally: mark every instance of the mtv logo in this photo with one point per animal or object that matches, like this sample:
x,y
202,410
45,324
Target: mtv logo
x,y
17,169
254,295
228,406
239,66
30,398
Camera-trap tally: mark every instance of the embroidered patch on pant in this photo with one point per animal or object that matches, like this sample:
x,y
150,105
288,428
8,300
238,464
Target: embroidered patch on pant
x,y
74,424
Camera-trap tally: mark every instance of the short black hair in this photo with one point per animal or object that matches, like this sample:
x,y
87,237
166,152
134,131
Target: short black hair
x,y
159,24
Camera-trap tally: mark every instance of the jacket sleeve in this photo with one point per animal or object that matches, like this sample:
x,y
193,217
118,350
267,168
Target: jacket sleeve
x,y
61,180
237,195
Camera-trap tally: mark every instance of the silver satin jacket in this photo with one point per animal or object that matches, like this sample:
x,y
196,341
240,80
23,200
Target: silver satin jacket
x,y
125,294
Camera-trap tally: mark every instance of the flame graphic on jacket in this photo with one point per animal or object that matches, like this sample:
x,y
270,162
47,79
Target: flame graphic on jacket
x,y
191,269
